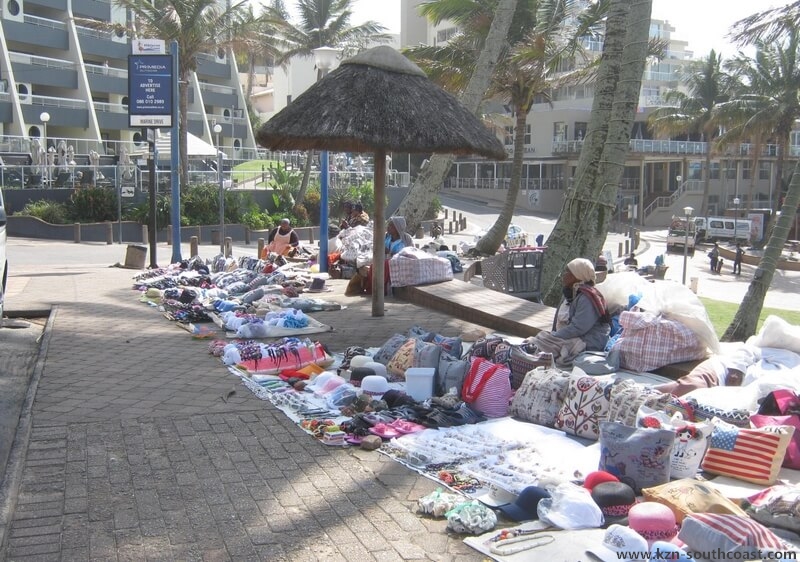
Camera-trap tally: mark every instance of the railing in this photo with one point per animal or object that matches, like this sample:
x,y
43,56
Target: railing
x,y
217,88
36,60
504,183
689,186
111,107
107,70
44,22
52,101
668,147
656,101
96,33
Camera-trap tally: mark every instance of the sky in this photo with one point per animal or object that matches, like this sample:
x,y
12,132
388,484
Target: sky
x,y
703,23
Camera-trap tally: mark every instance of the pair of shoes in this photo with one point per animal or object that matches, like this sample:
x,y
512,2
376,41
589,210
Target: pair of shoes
x,y
405,426
385,431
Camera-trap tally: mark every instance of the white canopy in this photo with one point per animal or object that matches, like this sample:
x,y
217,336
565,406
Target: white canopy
x,y
195,146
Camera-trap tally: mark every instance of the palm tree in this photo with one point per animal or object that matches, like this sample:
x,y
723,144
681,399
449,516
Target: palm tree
x,y
499,21
261,42
692,113
198,26
769,104
325,23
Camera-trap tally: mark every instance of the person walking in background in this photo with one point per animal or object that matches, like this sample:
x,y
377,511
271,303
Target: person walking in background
x,y
540,240
713,255
720,263
737,260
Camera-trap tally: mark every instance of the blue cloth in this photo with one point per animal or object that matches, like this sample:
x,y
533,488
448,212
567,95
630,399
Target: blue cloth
x,y
393,247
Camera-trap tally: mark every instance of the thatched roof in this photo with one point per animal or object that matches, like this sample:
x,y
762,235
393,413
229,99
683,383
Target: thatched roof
x,y
378,100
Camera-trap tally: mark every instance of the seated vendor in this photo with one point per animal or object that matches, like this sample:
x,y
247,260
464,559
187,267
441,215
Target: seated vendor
x,y
582,322
282,240
358,217
396,236
631,261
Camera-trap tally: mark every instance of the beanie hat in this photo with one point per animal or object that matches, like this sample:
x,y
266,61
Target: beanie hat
x,y
582,269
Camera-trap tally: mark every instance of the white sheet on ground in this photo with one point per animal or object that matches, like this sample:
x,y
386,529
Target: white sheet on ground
x,y
567,546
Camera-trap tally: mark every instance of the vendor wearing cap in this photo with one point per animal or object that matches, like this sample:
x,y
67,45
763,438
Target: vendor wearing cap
x,y
582,322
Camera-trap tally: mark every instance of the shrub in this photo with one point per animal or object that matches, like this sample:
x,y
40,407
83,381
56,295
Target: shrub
x,y
49,211
257,220
141,212
300,215
92,204
433,210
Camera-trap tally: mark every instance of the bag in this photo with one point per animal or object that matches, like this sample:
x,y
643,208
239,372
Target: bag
x,y
521,363
487,388
485,347
540,396
688,495
638,457
451,374
792,457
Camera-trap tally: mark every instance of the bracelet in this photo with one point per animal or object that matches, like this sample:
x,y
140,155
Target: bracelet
x,y
531,540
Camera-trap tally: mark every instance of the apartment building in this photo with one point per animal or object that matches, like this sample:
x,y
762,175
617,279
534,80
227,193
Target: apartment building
x,y
661,177
55,62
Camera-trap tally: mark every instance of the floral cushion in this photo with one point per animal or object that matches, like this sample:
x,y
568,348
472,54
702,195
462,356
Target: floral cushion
x,y
628,396
539,398
585,405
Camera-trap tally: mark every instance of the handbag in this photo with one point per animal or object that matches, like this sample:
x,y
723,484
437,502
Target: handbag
x,y
782,407
522,362
487,387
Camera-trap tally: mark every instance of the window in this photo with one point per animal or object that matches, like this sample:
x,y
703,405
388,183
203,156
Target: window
x,y
715,170
509,137
746,168
580,130
527,134
446,34
559,131
763,170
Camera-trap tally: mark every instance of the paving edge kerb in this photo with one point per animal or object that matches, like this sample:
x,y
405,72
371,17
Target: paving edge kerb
x,y
9,488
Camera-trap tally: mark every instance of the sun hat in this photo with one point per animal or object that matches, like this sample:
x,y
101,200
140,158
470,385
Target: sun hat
x,y
619,540
653,521
614,499
598,477
663,550
375,386
524,508
379,368
359,361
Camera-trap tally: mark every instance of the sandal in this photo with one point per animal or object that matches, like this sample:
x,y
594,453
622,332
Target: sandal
x,y
384,431
405,426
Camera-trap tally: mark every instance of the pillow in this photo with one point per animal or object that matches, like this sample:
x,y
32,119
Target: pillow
x,y
450,374
777,506
389,348
691,440
402,360
754,455
639,457
687,496
777,332
540,396
521,363
691,410
628,396
585,406
737,537
451,346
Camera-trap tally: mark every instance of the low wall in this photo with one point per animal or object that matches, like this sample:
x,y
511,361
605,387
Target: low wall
x,y
729,254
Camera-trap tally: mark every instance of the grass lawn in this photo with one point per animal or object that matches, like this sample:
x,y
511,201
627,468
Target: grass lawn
x,y
254,165
721,314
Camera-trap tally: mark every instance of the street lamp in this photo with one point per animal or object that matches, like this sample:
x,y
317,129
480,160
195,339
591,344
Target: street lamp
x,y
220,179
736,202
325,59
687,212
44,117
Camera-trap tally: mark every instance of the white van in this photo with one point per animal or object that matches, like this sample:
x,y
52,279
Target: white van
x,y
712,229
3,262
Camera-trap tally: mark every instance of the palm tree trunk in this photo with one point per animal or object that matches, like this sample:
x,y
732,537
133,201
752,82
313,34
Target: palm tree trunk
x,y
301,194
429,181
491,241
706,178
572,233
745,322
251,74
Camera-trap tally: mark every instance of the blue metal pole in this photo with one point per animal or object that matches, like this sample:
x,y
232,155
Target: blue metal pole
x,y
175,208
323,211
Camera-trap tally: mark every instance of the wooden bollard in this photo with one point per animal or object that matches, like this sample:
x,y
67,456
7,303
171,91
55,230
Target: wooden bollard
x,y
450,227
445,214
193,247
311,235
627,243
463,223
459,218
109,233
200,234
76,232
145,234
247,236
260,247
228,246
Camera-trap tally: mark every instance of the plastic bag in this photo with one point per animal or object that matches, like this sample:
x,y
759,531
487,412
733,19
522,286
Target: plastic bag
x,y
570,507
439,502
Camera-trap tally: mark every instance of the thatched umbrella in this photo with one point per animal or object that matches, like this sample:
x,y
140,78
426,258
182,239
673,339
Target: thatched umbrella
x,y
378,101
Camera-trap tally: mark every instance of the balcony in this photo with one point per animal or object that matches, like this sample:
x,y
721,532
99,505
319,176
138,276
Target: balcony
x,y
45,71
34,30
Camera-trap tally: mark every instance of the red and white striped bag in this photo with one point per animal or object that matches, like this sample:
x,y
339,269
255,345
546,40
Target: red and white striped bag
x,y
487,387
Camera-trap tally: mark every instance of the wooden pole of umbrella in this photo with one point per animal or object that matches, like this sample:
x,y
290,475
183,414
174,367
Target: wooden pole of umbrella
x,y
378,235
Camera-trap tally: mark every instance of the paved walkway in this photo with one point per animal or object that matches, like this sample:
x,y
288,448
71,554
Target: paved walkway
x,y
139,453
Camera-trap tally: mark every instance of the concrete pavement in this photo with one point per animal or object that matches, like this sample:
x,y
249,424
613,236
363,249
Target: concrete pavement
x,y
138,450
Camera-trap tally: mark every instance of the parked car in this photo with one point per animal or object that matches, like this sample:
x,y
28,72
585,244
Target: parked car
x,y
516,237
3,261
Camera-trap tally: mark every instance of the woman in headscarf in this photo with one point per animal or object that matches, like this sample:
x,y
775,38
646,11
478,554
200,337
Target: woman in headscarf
x,y
582,322
396,236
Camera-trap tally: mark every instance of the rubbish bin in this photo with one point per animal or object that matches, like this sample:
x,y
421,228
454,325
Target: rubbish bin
x,y
135,256
215,241
693,284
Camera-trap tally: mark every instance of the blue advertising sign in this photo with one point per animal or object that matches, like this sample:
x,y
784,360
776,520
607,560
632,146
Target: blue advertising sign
x,y
150,85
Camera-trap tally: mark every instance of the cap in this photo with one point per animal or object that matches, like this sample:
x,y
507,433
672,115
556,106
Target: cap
x,y
524,508
597,477
619,540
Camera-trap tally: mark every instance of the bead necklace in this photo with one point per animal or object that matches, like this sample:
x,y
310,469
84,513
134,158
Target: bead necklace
x,y
532,539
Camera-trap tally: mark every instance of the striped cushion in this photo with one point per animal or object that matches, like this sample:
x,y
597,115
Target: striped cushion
x,y
731,534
